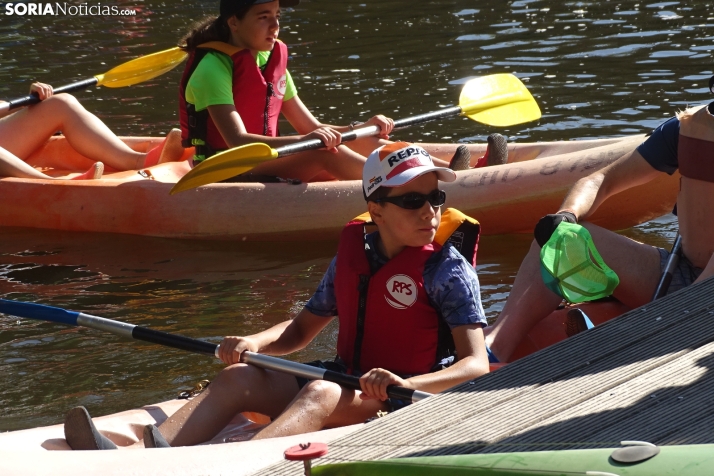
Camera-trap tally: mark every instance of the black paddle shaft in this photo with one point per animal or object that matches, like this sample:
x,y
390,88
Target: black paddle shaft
x,y
173,340
264,361
127,330
668,273
313,144
67,88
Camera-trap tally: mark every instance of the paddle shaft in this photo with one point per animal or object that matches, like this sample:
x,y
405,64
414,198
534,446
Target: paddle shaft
x,y
131,331
314,144
668,273
33,98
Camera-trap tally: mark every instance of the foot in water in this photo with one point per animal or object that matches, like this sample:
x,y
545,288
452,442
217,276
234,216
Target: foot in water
x,y
94,173
153,438
81,434
461,159
170,150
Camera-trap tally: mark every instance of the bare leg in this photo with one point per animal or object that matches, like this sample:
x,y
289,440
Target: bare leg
x,y
12,166
366,145
236,389
441,153
343,165
346,164
321,405
25,131
530,300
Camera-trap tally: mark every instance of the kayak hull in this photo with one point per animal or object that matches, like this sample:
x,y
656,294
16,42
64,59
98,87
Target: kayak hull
x,y
507,198
19,453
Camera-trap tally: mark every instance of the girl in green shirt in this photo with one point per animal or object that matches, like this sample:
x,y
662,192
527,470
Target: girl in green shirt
x,y
254,25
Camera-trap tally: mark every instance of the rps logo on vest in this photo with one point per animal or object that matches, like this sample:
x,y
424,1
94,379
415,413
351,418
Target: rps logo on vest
x,y
401,291
282,85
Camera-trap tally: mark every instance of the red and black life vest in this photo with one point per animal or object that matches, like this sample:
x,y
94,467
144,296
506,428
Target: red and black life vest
x,y
257,95
386,319
695,151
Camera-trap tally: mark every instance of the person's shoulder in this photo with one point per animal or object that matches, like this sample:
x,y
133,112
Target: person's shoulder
x,y
212,66
217,58
446,261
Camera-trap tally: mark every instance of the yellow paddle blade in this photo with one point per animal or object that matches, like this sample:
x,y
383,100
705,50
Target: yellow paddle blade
x,y
142,68
498,100
225,165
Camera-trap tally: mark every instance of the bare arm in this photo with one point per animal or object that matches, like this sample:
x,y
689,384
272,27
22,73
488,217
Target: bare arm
x,y
233,131
304,122
590,192
472,363
281,339
296,335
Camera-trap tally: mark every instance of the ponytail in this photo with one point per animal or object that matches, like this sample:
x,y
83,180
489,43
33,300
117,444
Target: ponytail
x,y
211,29
208,29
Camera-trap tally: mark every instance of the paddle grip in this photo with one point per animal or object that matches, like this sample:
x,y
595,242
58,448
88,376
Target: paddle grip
x,y
394,391
315,373
39,312
67,88
313,144
172,340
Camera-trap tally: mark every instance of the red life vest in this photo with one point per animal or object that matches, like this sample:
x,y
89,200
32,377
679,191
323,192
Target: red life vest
x,y
386,319
695,152
257,95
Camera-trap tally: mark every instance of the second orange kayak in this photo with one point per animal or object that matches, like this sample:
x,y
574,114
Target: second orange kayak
x,y
507,198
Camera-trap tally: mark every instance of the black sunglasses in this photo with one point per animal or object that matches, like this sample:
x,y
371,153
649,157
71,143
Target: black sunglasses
x,y
414,200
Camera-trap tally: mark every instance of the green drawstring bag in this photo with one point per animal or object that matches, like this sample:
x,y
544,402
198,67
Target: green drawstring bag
x,y
572,268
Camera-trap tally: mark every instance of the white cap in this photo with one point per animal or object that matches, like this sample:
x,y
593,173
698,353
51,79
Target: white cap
x,y
399,163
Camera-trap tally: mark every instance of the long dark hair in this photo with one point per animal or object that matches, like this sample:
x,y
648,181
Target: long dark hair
x,y
213,28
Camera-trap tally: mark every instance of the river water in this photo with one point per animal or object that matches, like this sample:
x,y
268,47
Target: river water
x,y
597,69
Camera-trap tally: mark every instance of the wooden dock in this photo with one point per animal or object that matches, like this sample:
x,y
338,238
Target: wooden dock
x,y
643,376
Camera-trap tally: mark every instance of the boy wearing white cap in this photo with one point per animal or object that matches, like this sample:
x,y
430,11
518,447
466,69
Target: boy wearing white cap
x,y
395,290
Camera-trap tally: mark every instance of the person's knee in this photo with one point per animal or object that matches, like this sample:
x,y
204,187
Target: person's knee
x,y
232,376
320,394
63,102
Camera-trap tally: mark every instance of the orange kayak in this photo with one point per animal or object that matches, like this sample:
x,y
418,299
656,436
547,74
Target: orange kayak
x,y
507,198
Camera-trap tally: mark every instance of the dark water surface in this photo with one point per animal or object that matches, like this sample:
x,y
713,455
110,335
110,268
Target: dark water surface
x,y
598,69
